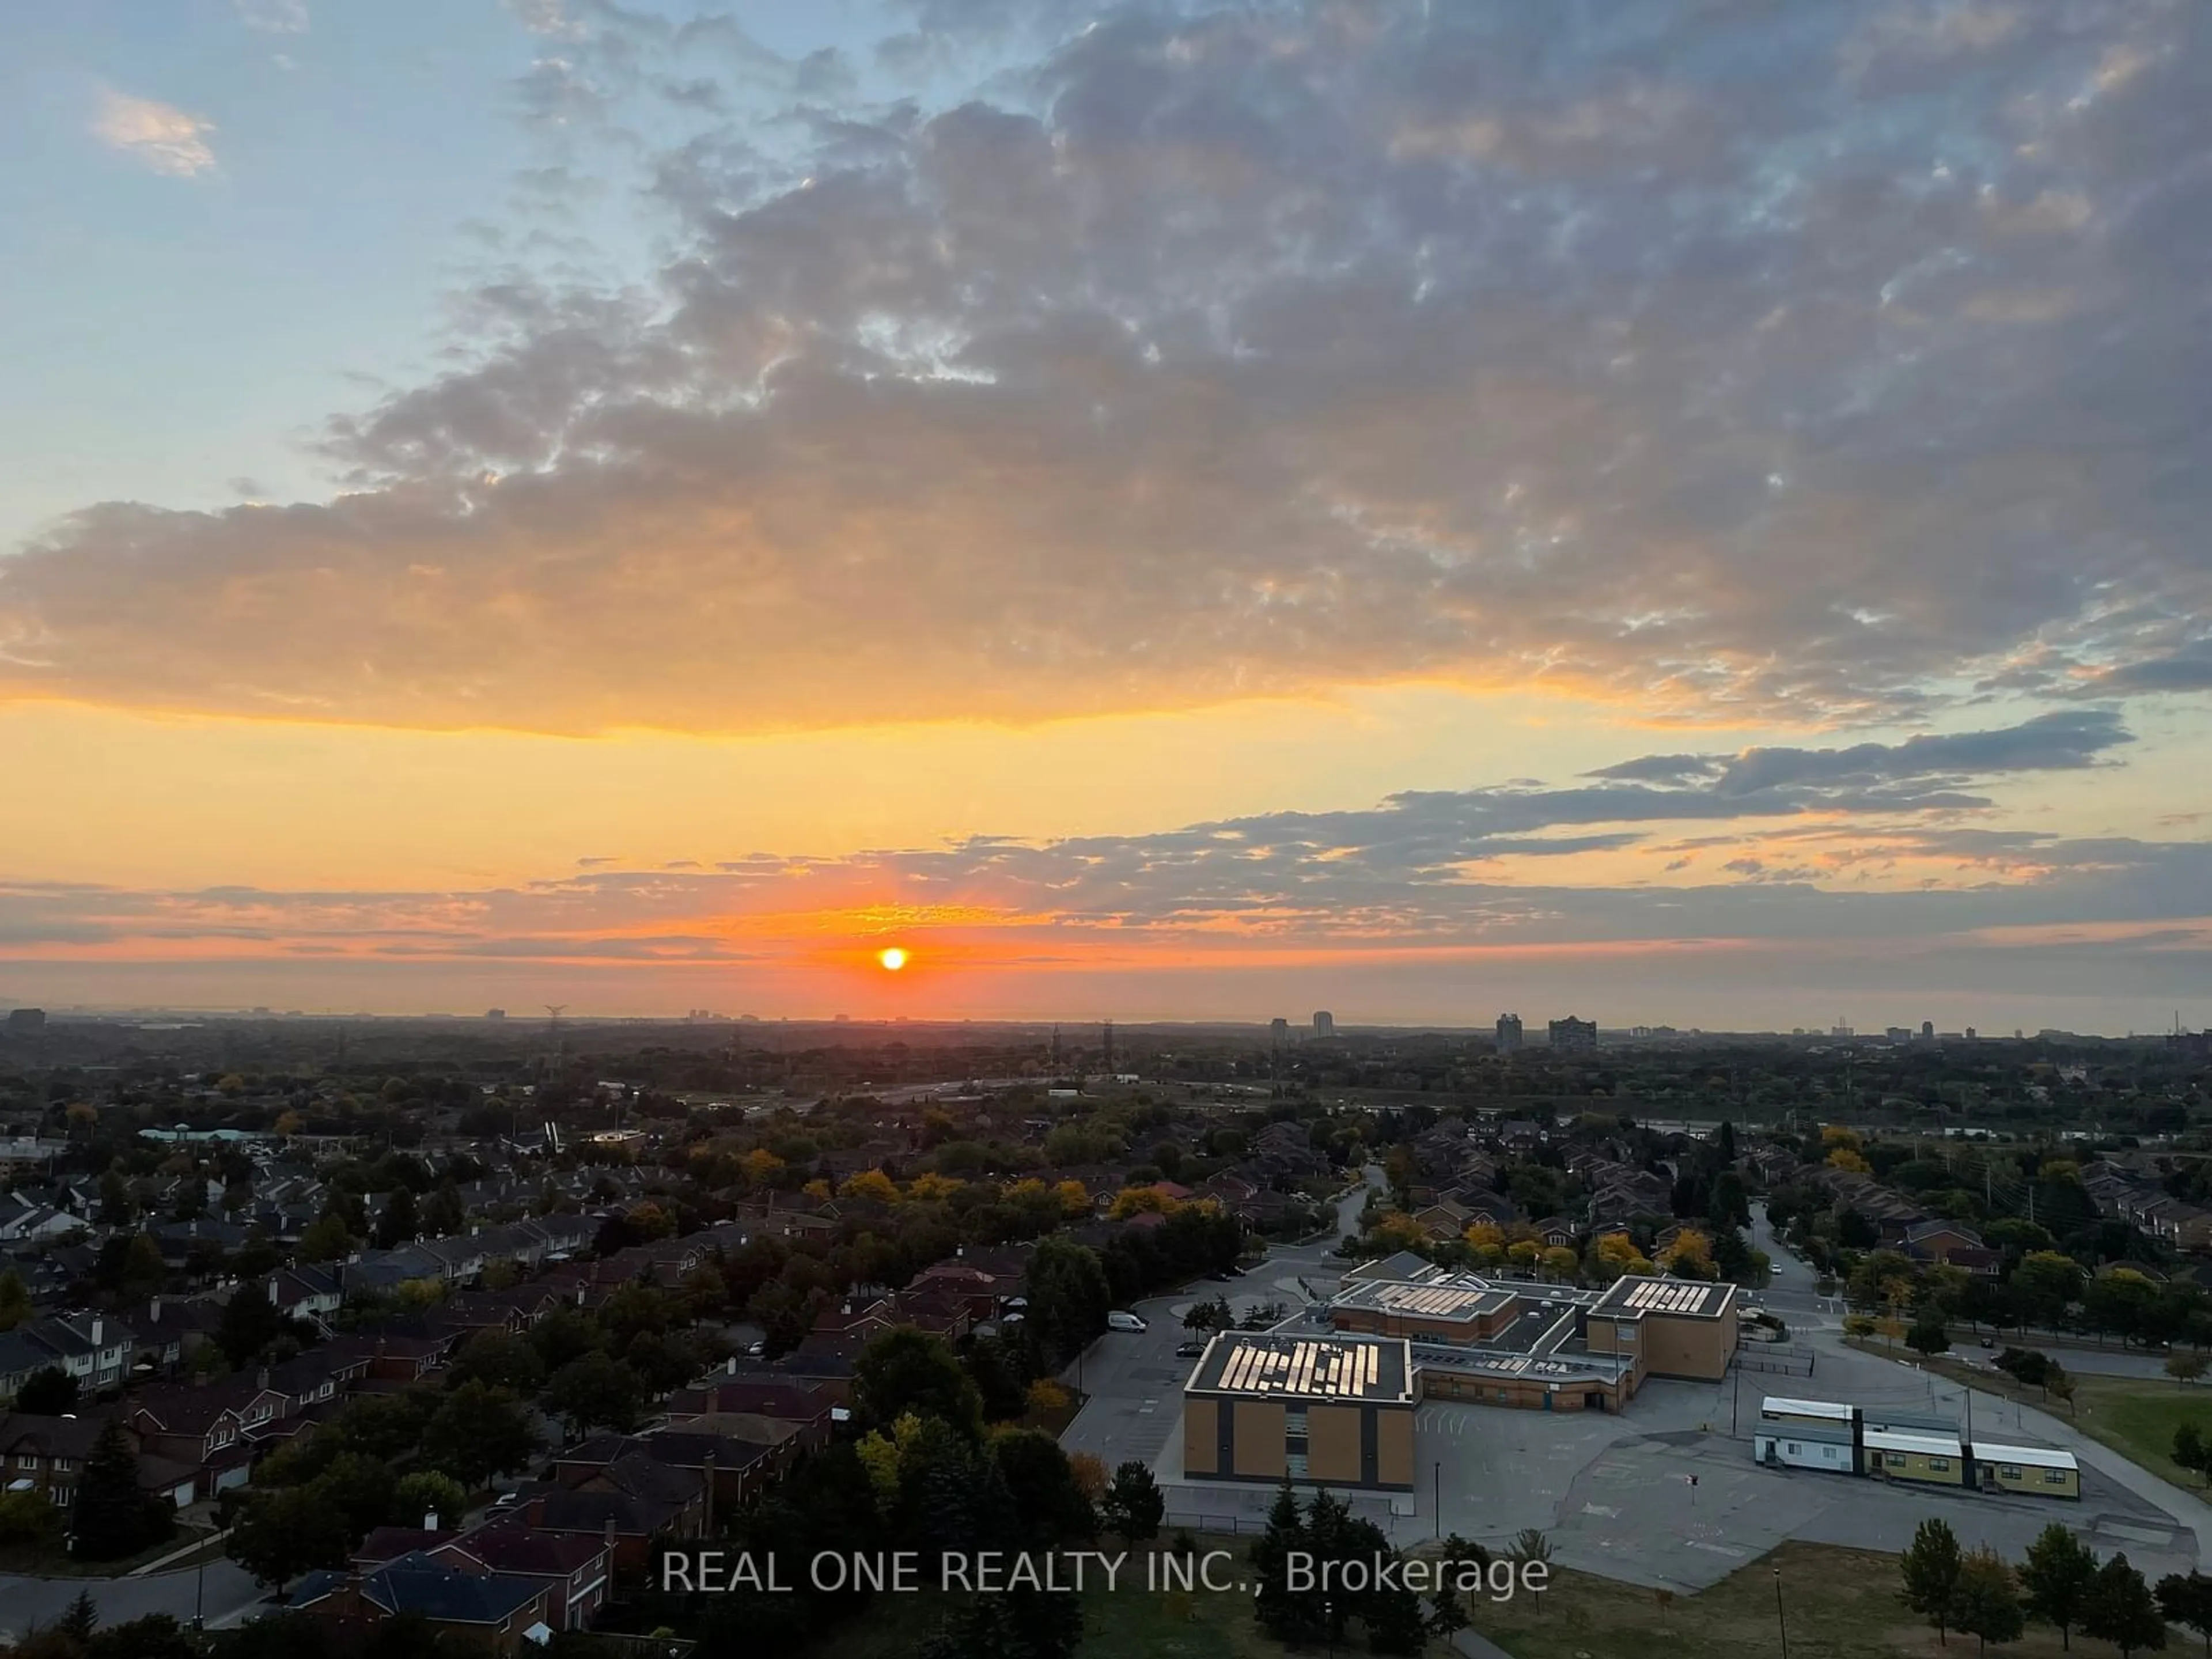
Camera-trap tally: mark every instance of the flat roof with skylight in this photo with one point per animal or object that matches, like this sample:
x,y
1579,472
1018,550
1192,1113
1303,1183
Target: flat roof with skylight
x,y
1274,1365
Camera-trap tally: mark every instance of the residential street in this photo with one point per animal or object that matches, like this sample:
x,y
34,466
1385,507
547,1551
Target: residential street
x,y
28,1604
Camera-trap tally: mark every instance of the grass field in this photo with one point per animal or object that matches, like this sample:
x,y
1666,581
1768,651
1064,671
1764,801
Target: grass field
x,y
2135,1416
1839,1604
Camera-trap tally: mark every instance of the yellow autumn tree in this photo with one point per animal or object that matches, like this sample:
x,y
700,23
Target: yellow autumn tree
x,y
761,1168
880,1455
1844,1158
817,1190
931,1185
872,1184
1485,1236
1691,1256
1074,1198
1141,1201
1562,1263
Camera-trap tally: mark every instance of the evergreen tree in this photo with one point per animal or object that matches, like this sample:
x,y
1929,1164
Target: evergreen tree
x,y
2189,1448
2057,1577
15,1300
1985,1605
81,1618
2188,1601
400,1223
1283,1614
2121,1610
47,1393
1134,1505
112,1516
1931,1574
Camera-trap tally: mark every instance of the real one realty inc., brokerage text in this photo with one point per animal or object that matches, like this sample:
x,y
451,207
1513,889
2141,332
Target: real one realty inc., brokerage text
x,y
710,1571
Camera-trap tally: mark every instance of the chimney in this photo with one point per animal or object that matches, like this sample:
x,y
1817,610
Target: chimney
x,y
733,1372
261,1377
430,1521
153,1310
275,1298
99,1325
610,1532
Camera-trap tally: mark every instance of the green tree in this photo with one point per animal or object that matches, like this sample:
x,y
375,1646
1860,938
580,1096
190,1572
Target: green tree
x,y
358,1489
1134,1506
156,1636
1984,1604
1931,1567
2120,1609
2187,1601
499,1359
15,1300
400,1223
1286,1614
114,1518
29,1521
1529,1548
47,1393
1928,1335
282,1533
325,1239
1069,1297
2057,1577
81,1618
479,1432
908,1370
594,1391
249,1322
2189,1448
1049,1506
443,1213
427,1493
2181,1365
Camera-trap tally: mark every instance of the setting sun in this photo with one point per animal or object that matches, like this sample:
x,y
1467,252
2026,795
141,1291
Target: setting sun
x,y
893,959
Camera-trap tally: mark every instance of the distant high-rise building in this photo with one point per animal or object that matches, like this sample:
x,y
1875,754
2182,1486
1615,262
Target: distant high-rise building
x,y
1324,1024
1928,1030
1970,1034
494,1014
1508,1034
1572,1035
23,1022
1280,1028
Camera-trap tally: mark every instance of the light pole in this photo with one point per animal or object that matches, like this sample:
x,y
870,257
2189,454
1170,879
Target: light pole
x,y
199,1592
1781,1623
1436,1496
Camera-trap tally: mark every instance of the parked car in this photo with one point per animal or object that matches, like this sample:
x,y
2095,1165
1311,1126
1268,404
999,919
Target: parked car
x,y
1189,1349
1120,1320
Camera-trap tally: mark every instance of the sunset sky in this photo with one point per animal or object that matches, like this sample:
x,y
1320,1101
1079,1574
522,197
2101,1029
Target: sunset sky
x,y
1679,511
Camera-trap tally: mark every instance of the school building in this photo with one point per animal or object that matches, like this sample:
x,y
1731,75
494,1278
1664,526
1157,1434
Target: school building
x,y
1336,1410
1541,1347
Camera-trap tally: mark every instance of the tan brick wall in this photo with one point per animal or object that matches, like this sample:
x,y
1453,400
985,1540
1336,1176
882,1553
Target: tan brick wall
x,y
1201,1435
1696,1348
1333,1444
1258,1440
1394,1447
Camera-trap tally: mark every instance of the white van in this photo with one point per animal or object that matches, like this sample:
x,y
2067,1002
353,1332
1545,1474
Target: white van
x,y
1118,1321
